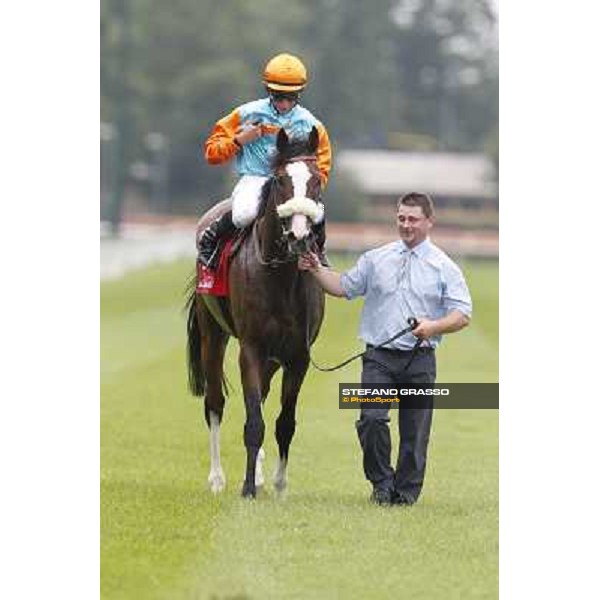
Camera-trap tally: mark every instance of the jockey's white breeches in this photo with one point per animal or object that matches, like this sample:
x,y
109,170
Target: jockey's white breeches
x,y
246,199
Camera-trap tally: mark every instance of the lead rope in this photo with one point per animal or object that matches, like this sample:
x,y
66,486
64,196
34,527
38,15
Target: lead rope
x,y
412,324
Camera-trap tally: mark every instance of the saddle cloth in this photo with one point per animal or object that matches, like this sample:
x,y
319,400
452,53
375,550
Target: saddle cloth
x,y
216,283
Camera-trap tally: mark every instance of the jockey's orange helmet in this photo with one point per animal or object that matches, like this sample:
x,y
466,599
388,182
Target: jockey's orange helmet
x,y
285,73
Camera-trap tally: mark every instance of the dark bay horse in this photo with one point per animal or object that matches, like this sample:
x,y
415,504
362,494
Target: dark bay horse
x,y
273,309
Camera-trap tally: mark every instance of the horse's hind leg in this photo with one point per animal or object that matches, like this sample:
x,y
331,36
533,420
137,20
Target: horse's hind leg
x,y
285,425
213,345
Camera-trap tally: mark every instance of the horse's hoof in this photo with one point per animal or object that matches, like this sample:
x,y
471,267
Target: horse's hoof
x,y
216,481
280,485
280,476
248,492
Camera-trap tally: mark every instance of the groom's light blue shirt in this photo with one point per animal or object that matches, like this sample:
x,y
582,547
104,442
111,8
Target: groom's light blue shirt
x,y
399,283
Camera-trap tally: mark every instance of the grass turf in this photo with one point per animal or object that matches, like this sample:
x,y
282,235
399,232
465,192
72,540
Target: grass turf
x,y
164,535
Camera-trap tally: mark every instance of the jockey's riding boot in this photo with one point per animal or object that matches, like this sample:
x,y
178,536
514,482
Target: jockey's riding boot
x,y
319,229
208,245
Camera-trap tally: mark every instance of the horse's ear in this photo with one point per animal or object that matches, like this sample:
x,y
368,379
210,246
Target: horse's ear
x,y
313,140
282,140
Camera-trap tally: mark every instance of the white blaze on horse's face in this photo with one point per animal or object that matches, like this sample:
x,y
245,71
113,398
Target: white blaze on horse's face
x,y
300,176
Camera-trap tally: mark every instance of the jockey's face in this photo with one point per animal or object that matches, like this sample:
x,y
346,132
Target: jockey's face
x,y
284,102
413,225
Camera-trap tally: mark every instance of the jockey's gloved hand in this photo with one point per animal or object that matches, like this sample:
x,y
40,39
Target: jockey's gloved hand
x,y
247,133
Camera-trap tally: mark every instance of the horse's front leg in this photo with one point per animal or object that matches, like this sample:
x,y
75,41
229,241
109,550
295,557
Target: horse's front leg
x,y
285,425
254,429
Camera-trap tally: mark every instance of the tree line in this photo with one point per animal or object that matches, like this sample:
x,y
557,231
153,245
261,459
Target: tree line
x,y
403,74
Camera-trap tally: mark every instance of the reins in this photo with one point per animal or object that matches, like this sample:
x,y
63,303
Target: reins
x,y
271,262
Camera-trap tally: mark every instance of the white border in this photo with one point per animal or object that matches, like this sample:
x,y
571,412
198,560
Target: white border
x,y
50,302
549,196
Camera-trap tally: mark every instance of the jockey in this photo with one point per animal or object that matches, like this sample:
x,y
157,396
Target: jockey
x,y
248,134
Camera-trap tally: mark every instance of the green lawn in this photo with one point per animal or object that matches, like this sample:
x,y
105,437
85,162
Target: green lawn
x,y
164,535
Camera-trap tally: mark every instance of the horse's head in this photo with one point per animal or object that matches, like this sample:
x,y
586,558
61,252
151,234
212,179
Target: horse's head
x,y
296,190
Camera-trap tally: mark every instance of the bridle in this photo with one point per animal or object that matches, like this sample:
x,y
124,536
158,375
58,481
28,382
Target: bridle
x,y
302,158
281,241
274,262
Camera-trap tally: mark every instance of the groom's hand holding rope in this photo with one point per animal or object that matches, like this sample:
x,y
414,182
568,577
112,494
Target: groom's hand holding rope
x,y
308,261
327,278
425,329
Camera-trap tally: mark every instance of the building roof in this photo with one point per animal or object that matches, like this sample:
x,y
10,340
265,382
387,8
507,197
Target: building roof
x,y
393,172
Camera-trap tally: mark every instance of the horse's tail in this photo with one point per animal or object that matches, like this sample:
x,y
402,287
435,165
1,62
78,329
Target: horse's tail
x,y
196,376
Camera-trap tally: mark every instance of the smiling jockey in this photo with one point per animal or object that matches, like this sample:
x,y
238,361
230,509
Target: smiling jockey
x,y
248,134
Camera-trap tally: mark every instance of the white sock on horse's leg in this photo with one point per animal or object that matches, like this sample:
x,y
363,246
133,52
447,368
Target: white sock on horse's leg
x,y
280,476
259,478
216,477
